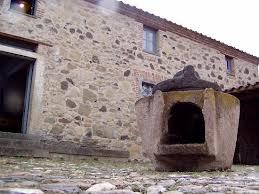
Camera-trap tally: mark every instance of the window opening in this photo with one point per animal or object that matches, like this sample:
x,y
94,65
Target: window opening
x,y
146,89
150,40
230,63
23,6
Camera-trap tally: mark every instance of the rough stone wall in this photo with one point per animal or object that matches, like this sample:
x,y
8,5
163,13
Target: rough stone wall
x,y
90,78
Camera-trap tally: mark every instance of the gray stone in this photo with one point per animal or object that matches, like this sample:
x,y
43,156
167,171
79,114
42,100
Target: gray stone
x,y
127,73
47,21
57,129
72,30
101,69
167,183
193,189
117,42
110,192
124,137
40,26
180,46
246,71
103,109
20,191
89,35
70,103
131,57
95,59
119,123
78,118
107,29
84,109
70,80
28,184
88,95
64,85
81,37
220,77
155,189
102,187
140,56
1,183
212,74
64,71
63,120
49,120
52,29
92,87
60,188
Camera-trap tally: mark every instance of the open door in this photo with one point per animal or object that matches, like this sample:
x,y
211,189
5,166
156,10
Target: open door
x,y
15,89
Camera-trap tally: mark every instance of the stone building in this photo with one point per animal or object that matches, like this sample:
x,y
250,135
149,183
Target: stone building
x,y
73,70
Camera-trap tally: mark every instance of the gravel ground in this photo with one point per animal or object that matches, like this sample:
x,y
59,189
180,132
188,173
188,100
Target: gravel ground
x,y
85,175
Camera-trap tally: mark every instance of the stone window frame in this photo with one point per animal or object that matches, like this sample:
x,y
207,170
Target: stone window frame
x,y
155,41
149,82
7,5
230,65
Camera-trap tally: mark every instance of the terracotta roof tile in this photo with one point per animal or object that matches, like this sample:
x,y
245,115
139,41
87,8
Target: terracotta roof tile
x,y
241,89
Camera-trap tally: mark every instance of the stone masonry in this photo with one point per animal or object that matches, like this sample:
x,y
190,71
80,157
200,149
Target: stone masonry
x,y
90,64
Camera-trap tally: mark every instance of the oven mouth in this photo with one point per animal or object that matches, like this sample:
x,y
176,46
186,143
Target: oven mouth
x,y
185,125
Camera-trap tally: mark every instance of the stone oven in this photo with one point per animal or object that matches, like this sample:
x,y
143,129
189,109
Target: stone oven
x,y
188,124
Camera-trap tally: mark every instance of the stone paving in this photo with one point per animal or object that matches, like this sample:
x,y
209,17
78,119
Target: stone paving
x,y
94,175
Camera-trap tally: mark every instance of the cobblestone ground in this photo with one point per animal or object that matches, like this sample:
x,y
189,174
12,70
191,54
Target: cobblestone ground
x,y
84,176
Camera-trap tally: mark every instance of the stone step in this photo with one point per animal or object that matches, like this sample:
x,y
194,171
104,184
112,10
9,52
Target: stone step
x,y
18,136
21,143
5,151
26,145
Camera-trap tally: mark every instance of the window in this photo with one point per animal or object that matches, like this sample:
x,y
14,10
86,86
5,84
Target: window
x,y
146,89
23,6
230,65
150,40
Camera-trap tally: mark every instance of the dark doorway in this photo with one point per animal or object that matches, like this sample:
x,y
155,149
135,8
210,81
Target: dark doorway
x,y
185,124
15,86
247,147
